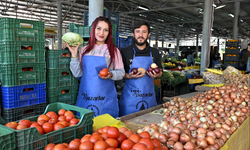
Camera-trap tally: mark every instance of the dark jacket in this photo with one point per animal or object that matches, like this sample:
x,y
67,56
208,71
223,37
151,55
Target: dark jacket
x,y
128,53
245,56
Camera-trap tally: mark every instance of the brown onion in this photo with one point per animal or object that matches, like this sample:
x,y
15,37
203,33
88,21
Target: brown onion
x,y
201,131
201,136
189,146
162,138
202,143
176,130
173,136
170,144
178,146
217,133
210,140
212,134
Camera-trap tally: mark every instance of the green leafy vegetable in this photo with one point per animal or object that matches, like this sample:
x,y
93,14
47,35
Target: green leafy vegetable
x,y
73,39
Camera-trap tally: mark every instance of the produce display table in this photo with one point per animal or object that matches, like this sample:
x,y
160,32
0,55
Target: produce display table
x,y
240,140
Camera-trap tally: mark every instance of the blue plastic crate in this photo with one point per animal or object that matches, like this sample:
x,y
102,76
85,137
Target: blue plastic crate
x,y
25,95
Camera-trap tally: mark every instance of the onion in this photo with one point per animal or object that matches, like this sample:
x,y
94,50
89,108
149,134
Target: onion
x,y
176,130
192,128
233,96
189,115
170,144
184,138
180,125
174,136
201,131
197,123
139,131
155,134
210,140
212,127
204,125
195,118
244,110
217,125
222,130
216,145
162,138
237,101
217,96
194,134
202,143
146,128
178,146
212,134
201,136
224,137
228,122
189,146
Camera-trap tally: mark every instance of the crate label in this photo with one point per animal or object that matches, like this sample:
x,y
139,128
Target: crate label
x,y
64,78
26,32
27,53
64,60
65,96
27,96
27,75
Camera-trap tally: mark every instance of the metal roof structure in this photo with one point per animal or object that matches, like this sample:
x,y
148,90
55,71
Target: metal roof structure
x,y
170,15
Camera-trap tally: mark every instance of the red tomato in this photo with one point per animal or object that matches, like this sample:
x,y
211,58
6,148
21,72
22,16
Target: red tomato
x,y
34,124
58,126
12,125
64,123
104,130
50,146
74,145
52,115
59,147
113,132
123,129
147,142
25,122
104,135
101,145
73,121
127,144
100,130
140,146
67,149
86,145
85,138
72,124
53,120
135,138
66,144
68,113
112,142
96,137
69,117
47,127
21,127
145,134
128,133
43,117
39,129
104,72
121,138
61,118
156,143
110,148
41,122
61,112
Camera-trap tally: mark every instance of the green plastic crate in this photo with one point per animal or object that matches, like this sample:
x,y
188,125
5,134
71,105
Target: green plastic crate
x,y
58,59
7,138
84,31
60,78
31,139
21,30
57,95
12,52
22,74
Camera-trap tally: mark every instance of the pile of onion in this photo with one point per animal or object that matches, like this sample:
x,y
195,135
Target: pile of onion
x,y
205,122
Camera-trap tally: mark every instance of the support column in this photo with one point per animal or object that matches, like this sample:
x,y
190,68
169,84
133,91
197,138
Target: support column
x,y
59,24
206,32
177,43
197,44
218,46
162,44
236,20
95,10
156,35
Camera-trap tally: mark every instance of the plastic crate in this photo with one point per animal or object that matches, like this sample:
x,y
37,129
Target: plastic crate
x,y
24,95
233,44
58,59
7,138
21,30
22,74
60,78
84,31
15,52
66,94
23,112
232,51
231,58
31,139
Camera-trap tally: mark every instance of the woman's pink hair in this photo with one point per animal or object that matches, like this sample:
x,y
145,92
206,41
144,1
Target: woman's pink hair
x,y
109,41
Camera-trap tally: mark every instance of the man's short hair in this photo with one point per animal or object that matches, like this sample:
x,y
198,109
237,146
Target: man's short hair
x,y
139,24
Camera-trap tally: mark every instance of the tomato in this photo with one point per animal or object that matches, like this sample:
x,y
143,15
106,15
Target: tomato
x,y
34,124
123,129
68,113
64,123
12,125
110,148
31,69
49,146
47,127
72,124
52,115
86,145
112,142
74,145
67,149
104,135
104,72
101,145
145,134
128,133
61,112
43,117
121,138
156,148
96,137
59,147
140,146
25,122
113,132
78,140
73,121
96,133
29,48
69,117
100,130
147,142
67,55
61,118
21,127
63,92
41,122
39,129
127,144
135,138
105,129
58,126
156,143
85,138
53,120
66,144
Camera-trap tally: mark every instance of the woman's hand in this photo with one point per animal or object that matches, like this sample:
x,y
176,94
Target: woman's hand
x,y
72,49
110,75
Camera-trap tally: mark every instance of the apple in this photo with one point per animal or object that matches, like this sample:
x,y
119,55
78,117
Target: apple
x,y
134,70
157,70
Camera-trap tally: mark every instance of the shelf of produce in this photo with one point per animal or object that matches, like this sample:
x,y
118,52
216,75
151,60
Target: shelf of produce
x,y
239,140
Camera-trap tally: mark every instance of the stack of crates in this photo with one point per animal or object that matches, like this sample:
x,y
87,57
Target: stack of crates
x,y
62,86
232,53
124,42
22,68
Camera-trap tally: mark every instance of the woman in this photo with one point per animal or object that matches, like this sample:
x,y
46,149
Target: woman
x,y
95,92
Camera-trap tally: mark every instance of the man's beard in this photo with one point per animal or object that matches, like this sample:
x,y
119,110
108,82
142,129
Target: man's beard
x,y
140,43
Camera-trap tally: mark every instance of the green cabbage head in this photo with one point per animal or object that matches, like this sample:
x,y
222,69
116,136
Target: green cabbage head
x,y
73,39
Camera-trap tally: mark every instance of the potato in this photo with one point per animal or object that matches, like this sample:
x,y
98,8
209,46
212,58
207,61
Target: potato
x,y
142,70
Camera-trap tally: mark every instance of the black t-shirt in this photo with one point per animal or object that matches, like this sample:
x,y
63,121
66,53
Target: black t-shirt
x,y
128,53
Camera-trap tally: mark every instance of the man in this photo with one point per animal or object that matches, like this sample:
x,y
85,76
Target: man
x,y
138,90
245,56
190,59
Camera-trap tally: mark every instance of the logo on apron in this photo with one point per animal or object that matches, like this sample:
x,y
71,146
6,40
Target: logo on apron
x,y
141,105
94,108
137,93
88,98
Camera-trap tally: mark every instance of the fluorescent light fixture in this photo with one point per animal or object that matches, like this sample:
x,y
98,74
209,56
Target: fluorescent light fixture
x,y
241,20
142,15
143,8
214,5
161,20
221,6
212,29
151,27
231,15
193,29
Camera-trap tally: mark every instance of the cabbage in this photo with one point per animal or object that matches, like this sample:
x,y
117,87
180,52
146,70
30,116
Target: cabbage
x,y
73,39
